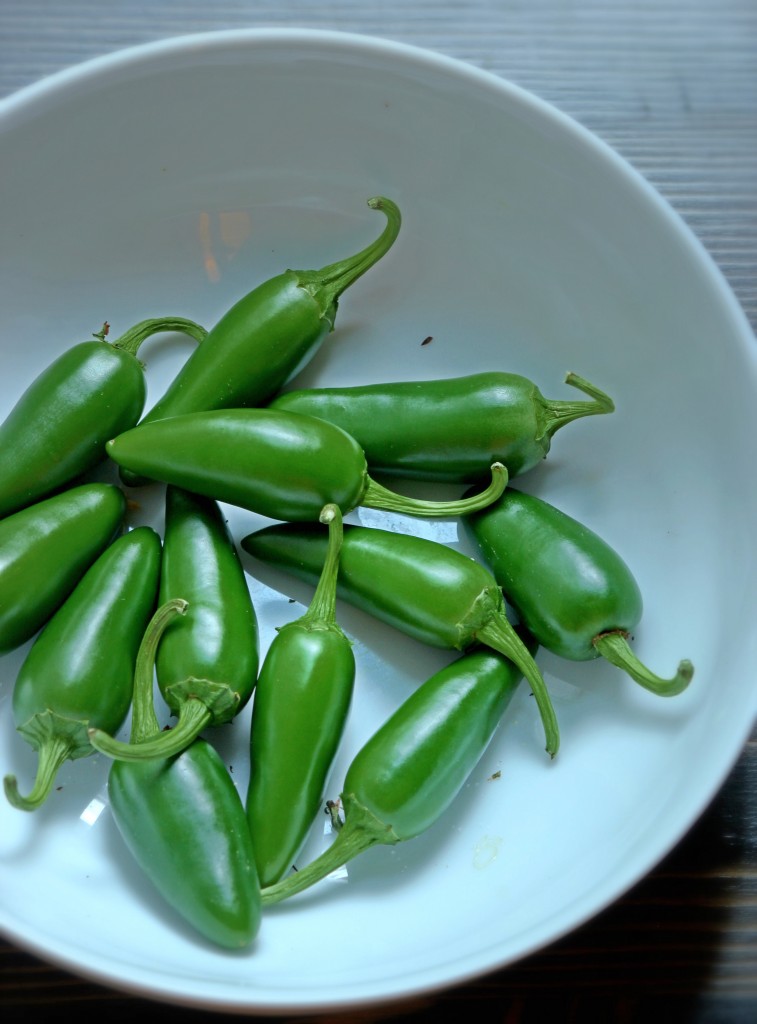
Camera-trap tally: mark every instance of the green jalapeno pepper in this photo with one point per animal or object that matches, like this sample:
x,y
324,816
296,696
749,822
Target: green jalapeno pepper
x,y
80,669
409,772
570,588
425,589
183,820
45,550
58,428
301,704
283,465
448,429
207,661
268,336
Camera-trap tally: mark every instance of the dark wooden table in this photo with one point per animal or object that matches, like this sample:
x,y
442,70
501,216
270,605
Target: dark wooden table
x,y
672,85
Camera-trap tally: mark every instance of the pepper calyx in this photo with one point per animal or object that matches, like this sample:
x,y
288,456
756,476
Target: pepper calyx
x,y
328,283
488,604
360,830
220,699
44,727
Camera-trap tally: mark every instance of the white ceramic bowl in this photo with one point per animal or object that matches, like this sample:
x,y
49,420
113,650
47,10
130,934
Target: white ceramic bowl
x,y
174,177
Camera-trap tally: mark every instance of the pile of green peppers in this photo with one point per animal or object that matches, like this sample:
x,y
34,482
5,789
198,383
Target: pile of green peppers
x,y
107,606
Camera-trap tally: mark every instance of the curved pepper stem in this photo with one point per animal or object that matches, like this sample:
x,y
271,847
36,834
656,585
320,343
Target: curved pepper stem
x,y
144,721
131,340
54,751
560,412
501,636
361,830
328,283
194,717
377,496
614,647
322,608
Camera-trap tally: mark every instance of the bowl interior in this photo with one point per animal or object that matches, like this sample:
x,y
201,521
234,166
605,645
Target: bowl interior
x,y
171,180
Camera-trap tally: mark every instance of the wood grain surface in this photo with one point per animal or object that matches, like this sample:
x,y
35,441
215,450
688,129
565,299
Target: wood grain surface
x,y
672,86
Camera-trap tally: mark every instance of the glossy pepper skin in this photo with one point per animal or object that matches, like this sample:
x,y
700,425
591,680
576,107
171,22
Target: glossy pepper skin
x,y
183,820
572,590
450,429
79,672
268,335
46,549
412,768
301,704
423,588
279,464
207,661
58,428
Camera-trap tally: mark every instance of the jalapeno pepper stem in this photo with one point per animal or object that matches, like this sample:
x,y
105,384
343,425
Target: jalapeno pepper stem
x,y
378,496
322,608
144,721
131,340
53,754
328,283
614,647
193,718
561,412
500,635
361,830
